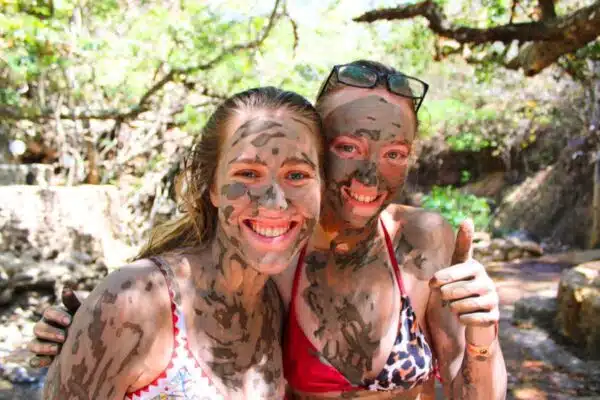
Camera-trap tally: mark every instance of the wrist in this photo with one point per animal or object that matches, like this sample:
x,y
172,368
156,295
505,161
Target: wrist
x,y
480,341
481,335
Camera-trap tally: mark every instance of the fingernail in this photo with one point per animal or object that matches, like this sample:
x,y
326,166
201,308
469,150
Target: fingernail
x,y
66,320
60,336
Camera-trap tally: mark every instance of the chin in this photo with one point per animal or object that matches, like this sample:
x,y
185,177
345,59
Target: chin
x,y
271,264
357,220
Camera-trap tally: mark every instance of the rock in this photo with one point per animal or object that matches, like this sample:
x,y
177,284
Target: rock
x,y
535,310
45,222
513,247
578,302
522,236
490,186
533,248
498,255
498,244
40,276
6,290
590,325
479,237
514,254
27,174
555,202
572,257
16,373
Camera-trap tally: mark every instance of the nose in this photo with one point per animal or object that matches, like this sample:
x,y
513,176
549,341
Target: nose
x,y
367,174
273,198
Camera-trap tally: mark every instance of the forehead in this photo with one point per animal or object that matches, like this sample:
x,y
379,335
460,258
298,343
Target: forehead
x,y
369,109
261,128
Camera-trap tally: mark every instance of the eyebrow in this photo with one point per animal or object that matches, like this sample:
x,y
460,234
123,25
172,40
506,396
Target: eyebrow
x,y
300,160
247,160
373,134
298,120
400,143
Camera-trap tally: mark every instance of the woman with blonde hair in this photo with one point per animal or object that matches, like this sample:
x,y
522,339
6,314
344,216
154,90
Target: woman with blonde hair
x,y
196,315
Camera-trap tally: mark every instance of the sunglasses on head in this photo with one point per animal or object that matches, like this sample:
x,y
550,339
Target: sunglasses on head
x,y
363,76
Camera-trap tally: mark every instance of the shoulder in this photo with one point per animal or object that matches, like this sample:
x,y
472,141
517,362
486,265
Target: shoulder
x,y
422,234
132,289
112,334
422,227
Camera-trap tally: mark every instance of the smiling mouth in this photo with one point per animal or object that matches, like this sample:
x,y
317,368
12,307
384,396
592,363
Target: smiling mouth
x,y
361,198
270,231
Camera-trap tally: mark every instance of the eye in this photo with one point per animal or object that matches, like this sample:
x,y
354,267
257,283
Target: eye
x,y
297,176
346,148
247,173
395,155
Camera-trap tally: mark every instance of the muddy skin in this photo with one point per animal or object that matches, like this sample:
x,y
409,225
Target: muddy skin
x,y
347,284
257,144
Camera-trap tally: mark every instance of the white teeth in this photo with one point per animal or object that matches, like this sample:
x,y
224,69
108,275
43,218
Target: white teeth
x,y
362,198
269,232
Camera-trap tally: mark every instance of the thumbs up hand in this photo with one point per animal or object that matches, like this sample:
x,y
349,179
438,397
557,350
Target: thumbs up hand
x,y
465,286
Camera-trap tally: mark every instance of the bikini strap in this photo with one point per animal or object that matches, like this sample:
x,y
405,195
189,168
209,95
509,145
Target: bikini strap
x,y
179,329
390,249
297,273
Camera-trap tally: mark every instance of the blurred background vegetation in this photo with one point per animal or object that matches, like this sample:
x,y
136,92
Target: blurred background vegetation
x,y
113,91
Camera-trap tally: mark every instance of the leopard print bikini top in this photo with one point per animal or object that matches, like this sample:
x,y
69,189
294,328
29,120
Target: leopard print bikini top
x,y
409,364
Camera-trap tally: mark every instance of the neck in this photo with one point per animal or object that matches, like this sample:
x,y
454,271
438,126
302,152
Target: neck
x,y
233,275
341,235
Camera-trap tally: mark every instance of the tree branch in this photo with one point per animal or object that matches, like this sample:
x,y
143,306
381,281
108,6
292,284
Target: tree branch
x,y
555,37
513,8
547,9
569,27
143,104
534,57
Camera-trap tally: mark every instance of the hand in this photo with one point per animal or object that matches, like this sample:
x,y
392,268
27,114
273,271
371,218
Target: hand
x,y
48,331
465,286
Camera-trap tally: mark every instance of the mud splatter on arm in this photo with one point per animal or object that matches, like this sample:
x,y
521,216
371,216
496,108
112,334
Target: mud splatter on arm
x,y
110,338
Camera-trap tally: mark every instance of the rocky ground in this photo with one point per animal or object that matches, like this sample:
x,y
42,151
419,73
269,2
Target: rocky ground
x,y
31,291
541,364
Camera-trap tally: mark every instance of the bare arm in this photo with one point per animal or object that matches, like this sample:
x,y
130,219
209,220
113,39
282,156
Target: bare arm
x,y
463,309
109,339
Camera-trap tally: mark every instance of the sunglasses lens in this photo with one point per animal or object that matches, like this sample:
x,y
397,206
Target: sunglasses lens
x,y
405,86
357,76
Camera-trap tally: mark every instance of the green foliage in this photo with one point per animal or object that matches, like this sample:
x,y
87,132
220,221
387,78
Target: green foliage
x,y
103,57
465,176
469,141
455,206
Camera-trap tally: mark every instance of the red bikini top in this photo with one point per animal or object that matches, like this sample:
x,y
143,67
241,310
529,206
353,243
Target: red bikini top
x,y
409,364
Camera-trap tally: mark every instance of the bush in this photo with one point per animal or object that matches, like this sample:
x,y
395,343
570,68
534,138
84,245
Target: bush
x,y
455,206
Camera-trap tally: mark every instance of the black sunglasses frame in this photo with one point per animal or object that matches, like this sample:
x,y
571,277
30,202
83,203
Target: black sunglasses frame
x,y
381,76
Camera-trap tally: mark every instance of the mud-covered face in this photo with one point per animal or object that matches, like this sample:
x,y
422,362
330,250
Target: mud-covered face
x,y
369,140
268,188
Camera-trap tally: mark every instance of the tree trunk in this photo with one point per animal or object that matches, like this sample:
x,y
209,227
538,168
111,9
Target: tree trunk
x,y
594,131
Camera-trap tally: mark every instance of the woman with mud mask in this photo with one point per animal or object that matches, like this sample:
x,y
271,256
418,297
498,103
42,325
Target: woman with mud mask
x,y
384,297
196,316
